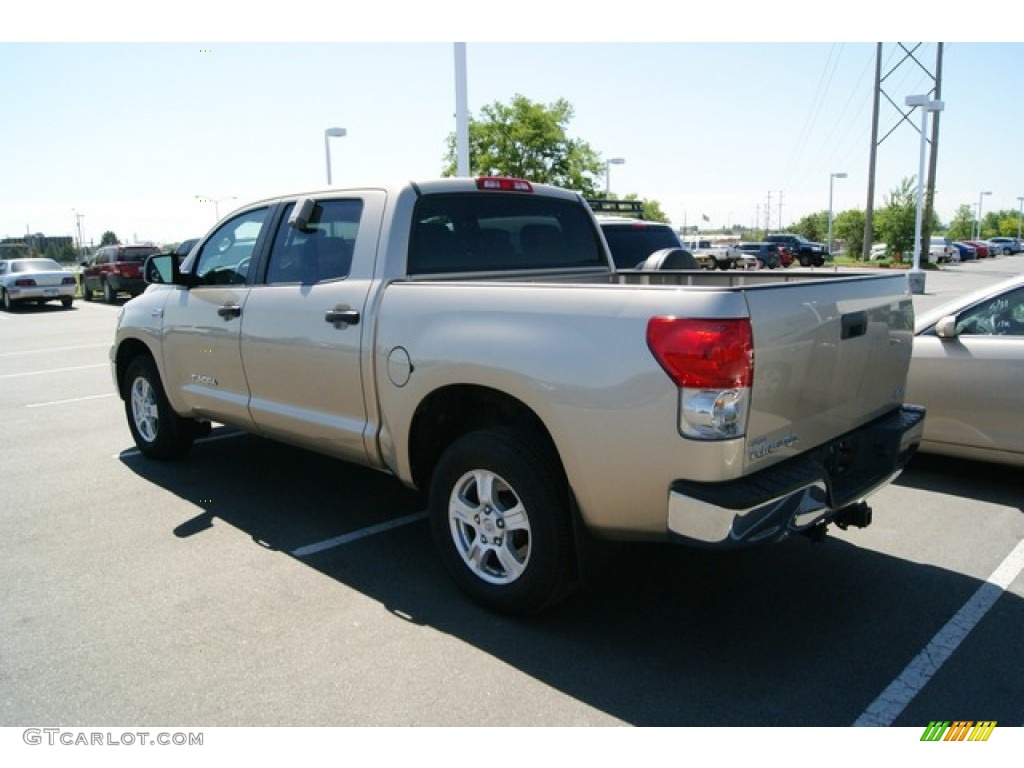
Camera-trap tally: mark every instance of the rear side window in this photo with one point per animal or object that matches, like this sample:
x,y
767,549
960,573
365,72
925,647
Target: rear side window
x,y
494,231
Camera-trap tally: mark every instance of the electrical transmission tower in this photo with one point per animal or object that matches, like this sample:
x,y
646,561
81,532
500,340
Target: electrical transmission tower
x,y
907,59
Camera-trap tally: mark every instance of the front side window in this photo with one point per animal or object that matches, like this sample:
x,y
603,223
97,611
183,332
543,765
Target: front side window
x,y
226,255
1001,316
319,252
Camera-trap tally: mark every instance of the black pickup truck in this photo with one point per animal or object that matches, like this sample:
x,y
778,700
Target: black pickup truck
x,y
807,253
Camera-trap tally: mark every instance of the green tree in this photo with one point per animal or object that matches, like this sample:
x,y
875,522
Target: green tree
x,y
962,225
109,238
895,222
528,140
848,226
813,226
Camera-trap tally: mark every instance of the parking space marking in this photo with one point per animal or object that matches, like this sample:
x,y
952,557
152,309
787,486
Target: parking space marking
x,y
53,370
362,533
51,349
72,400
893,700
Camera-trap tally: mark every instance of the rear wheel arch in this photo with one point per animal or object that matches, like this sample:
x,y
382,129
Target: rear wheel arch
x,y
451,412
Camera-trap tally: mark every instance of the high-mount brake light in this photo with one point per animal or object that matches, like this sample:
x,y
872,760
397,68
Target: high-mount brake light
x,y
504,184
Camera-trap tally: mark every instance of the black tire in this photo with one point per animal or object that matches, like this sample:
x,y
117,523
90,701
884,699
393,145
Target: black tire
x,y
109,294
805,261
7,301
157,430
499,513
66,302
86,291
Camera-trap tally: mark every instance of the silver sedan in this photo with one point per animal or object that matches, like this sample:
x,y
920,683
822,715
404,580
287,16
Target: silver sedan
x,y
38,280
967,369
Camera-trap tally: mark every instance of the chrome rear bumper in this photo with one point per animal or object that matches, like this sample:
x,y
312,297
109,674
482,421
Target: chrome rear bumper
x,y
799,493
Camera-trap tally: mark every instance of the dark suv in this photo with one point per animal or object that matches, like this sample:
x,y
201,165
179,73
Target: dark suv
x,y
803,250
116,269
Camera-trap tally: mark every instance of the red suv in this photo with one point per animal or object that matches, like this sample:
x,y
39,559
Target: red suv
x,y
116,269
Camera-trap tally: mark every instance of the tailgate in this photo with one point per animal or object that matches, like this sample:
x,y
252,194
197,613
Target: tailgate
x,y
830,355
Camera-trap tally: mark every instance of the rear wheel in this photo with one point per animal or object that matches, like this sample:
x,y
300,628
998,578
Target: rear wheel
x,y
5,298
158,431
66,302
500,518
109,294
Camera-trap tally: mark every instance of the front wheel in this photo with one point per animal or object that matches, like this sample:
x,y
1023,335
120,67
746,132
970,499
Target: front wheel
x,y
499,514
158,431
8,302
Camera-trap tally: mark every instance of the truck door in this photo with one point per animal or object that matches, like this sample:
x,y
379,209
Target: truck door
x,y
201,348
304,327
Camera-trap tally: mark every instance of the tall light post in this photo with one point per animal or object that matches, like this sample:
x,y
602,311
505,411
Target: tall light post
x,y
916,276
335,133
981,196
216,204
831,179
78,227
608,173
1020,213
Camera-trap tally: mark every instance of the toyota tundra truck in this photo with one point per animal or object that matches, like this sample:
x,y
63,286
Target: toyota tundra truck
x,y
473,338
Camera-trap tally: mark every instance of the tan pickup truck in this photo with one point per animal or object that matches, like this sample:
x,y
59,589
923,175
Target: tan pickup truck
x,y
472,338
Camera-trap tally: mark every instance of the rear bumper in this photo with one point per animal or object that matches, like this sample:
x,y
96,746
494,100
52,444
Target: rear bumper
x,y
44,292
799,493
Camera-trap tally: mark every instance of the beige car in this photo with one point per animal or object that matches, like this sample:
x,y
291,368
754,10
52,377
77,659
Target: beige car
x,y
967,370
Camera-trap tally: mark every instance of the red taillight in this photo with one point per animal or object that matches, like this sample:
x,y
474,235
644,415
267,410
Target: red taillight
x,y
504,184
24,282
703,354
68,281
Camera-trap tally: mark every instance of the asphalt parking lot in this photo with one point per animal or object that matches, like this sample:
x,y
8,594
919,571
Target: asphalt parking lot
x,y
253,584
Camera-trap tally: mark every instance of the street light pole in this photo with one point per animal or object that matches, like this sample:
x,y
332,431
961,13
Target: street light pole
x,y
328,134
216,204
1019,214
608,173
980,196
916,276
831,179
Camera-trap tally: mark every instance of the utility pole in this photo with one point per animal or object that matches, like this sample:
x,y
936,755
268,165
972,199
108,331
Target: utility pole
x,y
908,57
870,212
780,210
929,203
768,213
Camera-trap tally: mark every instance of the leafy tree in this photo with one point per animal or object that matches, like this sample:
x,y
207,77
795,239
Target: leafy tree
x,y
962,225
848,226
109,238
896,221
813,226
528,140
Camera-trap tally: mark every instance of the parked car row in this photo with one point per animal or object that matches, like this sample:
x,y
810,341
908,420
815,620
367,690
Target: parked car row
x,y
943,250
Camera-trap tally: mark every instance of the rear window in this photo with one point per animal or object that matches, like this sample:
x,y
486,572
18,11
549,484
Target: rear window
x,y
35,265
131,253
480,232
631,244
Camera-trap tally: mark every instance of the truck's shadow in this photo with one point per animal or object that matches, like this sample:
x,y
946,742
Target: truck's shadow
x,y
796,634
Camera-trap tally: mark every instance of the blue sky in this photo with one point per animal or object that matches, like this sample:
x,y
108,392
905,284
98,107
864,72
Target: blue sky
x,y
129,134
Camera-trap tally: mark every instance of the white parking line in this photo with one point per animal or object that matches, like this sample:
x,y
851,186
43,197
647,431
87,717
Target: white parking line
x,y
51,349
893,700
337,541
53,370
72,400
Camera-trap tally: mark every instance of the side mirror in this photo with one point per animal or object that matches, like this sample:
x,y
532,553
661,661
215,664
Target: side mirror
x,y
946,327
160,269
302,213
